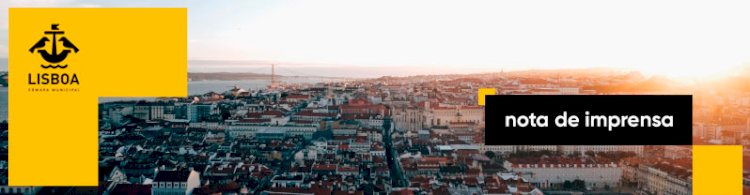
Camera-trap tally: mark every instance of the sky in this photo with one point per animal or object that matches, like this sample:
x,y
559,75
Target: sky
x,y
675,38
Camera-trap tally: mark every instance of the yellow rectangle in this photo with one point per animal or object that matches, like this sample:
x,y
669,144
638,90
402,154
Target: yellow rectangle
x,y
482,93
53,136
717,169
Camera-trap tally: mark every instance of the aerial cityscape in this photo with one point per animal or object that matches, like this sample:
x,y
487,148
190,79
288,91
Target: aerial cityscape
x,y
340,97
388,135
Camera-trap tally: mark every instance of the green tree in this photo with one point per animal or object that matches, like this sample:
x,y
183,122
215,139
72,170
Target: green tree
x,y
567,185
579,184
490,154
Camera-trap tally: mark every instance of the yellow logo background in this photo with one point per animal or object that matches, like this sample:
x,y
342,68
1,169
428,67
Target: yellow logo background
x,y
125,52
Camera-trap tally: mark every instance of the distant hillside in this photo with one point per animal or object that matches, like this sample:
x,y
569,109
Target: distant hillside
x,y
652,84
227,76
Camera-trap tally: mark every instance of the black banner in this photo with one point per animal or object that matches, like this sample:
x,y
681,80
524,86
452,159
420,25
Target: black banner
x,y
588,119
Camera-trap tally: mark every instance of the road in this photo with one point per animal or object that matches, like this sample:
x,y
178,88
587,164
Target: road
x,y
397,177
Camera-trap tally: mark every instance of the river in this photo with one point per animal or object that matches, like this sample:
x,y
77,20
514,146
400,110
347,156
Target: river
x,y
194,87
202,87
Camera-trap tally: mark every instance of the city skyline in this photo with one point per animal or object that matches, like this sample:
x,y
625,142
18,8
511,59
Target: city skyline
x,y
392,97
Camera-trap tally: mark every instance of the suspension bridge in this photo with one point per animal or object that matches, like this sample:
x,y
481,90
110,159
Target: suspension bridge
x,y
277,74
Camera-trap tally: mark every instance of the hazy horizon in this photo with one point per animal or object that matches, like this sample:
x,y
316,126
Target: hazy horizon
x,y
295,69
673,38
335,70
360,72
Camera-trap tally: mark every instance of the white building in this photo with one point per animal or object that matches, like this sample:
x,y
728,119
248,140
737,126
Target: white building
x,y
207,125
175,182
360,145
569,90
566,149
162,111
372,122
250,131
497,149
596,176
19,190
378,152
117,113
676,152
536,148
408,118
242,131
444,115
569,149
658,180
